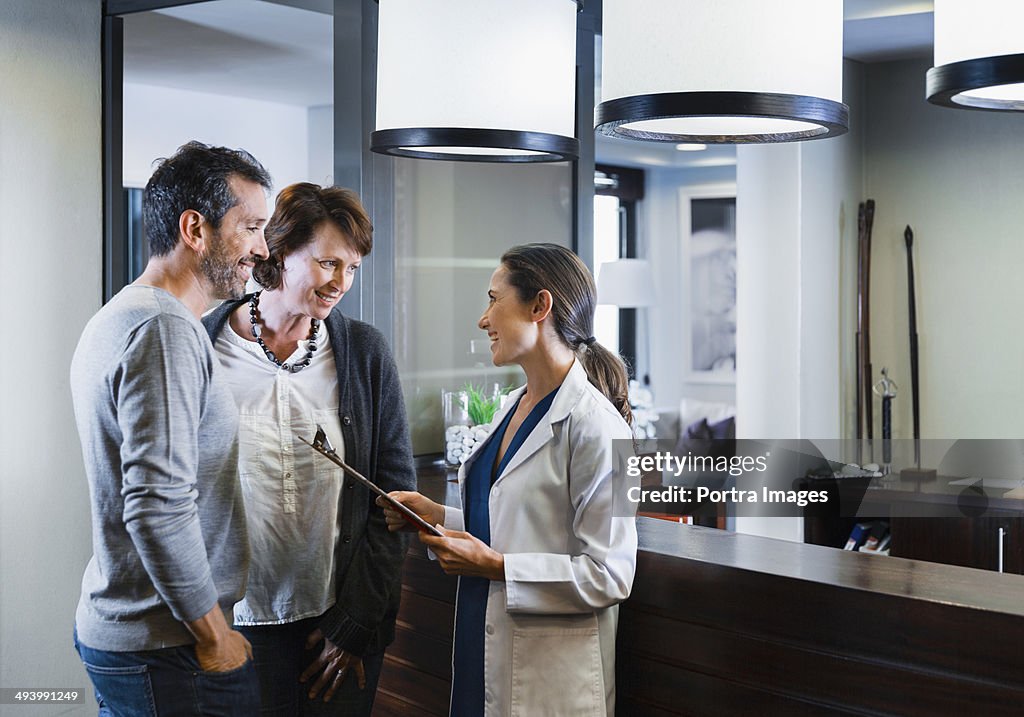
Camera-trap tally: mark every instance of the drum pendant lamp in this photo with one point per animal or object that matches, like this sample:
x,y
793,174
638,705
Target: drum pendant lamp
x,y
722,72
477,80
979,55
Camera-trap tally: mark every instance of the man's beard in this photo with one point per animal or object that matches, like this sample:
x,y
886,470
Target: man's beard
x,y
222,272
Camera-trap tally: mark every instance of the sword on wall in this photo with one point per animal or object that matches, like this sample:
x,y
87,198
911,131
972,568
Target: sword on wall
x,y
917,473
865,418
869,413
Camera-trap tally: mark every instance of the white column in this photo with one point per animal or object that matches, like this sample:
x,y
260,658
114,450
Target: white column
x,y
796,223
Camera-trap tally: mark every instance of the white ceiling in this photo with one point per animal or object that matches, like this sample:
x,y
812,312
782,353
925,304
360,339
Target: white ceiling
x,y
882,30
243,48
268,50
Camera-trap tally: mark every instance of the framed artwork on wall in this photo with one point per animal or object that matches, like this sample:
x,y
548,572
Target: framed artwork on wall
x,y
708,228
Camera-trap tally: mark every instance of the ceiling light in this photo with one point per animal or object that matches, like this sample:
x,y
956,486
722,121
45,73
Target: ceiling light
x,y
979,55
724,72
684,147
477,80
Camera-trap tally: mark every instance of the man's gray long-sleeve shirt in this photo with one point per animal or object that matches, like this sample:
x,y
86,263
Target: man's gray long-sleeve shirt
x,y
159,437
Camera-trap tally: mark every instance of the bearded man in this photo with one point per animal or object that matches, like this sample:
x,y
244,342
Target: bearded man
x,y
159,435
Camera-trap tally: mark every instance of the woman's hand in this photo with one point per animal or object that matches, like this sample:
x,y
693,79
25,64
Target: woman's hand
x,y
418,503
460,553
333,664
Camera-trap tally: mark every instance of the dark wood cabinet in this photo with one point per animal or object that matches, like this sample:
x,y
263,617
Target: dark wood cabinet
x,y
934,522
971,542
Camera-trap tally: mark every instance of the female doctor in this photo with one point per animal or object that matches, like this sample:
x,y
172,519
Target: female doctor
x,y
543,559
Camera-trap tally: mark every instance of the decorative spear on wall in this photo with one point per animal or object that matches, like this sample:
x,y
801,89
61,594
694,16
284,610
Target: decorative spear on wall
x,y
917,472
865,220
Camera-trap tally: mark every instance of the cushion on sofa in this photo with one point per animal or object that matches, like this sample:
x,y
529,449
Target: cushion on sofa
x,y
703,437
692,410
724,429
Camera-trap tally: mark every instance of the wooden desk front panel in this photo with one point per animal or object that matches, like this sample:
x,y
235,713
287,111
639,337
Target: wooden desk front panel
x,y
726,624
814,631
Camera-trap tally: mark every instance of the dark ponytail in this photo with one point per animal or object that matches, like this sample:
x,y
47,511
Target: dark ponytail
x,y
607,371
533,267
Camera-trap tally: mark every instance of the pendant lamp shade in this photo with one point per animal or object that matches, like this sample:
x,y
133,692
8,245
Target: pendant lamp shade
x,y
477,80
722,72
979,55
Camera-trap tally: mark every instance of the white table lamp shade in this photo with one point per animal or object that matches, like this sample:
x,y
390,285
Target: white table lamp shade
x,y
626,283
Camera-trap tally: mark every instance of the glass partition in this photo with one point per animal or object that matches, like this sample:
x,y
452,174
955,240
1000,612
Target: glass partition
x,y
453,221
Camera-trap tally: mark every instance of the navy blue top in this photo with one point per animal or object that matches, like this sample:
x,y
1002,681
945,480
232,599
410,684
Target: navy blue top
x,y
468,677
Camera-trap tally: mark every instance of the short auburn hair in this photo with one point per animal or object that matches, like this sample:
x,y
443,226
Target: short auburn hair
x,y
299,210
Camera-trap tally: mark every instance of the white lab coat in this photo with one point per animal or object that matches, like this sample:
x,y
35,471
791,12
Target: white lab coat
x,y
549,646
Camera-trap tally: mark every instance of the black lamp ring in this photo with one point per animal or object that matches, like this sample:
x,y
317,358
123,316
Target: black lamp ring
x,y
579,4
945,82
403,142
832,118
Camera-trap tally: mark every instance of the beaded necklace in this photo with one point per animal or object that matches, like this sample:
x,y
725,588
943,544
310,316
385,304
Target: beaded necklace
x,y
254,319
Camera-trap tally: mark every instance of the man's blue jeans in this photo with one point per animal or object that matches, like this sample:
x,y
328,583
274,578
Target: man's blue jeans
x,y
168,683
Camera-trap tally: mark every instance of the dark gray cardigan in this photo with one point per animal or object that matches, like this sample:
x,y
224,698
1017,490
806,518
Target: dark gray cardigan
x,y
376,433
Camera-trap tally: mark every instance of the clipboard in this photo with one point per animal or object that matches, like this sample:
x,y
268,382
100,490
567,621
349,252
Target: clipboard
x,y
322,445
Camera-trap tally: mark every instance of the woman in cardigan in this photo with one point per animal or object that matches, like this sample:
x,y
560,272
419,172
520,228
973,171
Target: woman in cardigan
x,y
544,544
326,574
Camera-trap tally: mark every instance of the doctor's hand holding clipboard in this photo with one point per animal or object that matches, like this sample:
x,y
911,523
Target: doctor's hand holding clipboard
x,y
458,552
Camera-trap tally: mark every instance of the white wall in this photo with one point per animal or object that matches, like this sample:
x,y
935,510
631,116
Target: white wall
x,y
320,156
158,120
957,177
796,210
833,179
50,284
661,241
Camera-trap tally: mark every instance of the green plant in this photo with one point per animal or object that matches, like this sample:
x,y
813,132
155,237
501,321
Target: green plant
x,y
480,408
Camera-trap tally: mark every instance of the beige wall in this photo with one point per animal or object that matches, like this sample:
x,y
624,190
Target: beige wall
x,y
50,274
957,177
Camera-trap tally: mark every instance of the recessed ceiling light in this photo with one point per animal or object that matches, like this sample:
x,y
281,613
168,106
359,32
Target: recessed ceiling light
x,y
685,147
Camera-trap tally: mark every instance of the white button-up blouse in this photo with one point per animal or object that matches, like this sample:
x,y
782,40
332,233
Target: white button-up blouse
x,y
292,494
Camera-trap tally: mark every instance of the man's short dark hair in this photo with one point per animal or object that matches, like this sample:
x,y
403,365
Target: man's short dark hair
x,y
195,177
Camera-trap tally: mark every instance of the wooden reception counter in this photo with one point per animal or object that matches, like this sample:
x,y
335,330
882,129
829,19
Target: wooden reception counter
x,y
727,624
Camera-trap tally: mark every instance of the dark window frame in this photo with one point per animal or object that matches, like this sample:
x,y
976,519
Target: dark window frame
x,y
628,187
